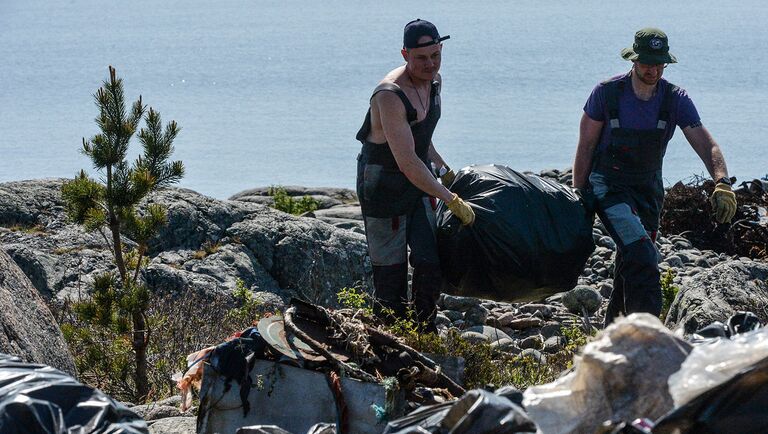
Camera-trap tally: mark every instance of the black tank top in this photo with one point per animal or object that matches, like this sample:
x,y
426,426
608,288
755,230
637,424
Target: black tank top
x,y
380,153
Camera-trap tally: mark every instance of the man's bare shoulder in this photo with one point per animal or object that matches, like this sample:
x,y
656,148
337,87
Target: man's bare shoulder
x,y
387,102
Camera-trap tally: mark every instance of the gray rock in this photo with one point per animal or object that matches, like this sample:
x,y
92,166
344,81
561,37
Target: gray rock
x,y
453,315
554,344
344,195
349,212
674,261
717,293
506,345
454,302
28,330
154,411
475,337
269,250
605,289
492,333
476,315
534,341
606,242
693,271
546,310
174,425
550,329
506,318
582,297
534,354
442,320
525,323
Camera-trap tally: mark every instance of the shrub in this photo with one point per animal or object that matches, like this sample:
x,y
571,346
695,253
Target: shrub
x,y
668,292
291,205
182,323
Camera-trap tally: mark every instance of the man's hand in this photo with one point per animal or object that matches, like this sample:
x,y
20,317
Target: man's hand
x,y
587,199
462,210
447,178
723,203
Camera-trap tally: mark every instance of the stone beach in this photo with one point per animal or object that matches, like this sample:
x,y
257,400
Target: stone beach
x,y
312,256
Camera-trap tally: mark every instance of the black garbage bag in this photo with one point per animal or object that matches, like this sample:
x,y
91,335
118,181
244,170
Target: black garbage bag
x,y
40,399
477,412
531,236
738,406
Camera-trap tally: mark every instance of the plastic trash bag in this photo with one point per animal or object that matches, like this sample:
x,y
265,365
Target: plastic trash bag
x,y
40,399
738,406
477,412
621,375
531,237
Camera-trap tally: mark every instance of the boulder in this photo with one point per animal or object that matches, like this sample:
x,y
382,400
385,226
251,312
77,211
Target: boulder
x,y
208,245
716,293
28,329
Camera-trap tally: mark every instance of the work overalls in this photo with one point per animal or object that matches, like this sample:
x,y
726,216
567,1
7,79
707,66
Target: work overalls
x,y
399,216
627,185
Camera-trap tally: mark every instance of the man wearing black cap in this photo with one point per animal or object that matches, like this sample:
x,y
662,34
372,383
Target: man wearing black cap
x,y
396,184
627,123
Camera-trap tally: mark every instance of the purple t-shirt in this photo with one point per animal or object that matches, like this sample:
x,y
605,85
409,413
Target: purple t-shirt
x,y
638,114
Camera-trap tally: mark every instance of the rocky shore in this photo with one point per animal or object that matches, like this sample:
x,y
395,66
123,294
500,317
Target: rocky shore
x,y
210,245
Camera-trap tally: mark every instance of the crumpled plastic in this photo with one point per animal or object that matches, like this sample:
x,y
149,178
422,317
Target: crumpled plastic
x,y
621,375
40,399
715,362
476,412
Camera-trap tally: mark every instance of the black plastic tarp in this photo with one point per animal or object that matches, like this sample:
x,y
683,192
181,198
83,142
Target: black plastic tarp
x,y
477,412
42,400
531,237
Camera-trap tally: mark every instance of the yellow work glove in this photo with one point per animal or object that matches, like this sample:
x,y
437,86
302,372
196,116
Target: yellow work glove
x,y
723,203
448,177
462,210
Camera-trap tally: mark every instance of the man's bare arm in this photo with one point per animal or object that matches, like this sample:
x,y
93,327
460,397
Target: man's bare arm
x,y
708,150
400,140
435,157
589,135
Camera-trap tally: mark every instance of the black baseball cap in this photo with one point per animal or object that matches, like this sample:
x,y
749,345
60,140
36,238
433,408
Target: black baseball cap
x,y
417,28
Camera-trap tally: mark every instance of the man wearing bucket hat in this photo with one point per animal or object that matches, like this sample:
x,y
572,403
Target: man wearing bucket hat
x,y
395,182
627,122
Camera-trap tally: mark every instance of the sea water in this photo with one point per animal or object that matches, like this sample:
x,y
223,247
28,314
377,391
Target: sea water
x,y
273,92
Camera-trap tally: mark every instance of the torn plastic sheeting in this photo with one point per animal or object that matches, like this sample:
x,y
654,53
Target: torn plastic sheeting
x,y
477,412
737,406
713,363
621,375
531,236
40,399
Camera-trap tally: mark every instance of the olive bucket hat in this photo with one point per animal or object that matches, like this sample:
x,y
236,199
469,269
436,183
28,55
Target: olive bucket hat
x,y
651,47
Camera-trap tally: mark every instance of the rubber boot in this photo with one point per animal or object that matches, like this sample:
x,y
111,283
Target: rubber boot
x,y
426,285
390,284
642,279
616,304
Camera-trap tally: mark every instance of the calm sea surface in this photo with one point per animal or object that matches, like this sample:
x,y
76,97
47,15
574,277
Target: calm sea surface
x,y
272,92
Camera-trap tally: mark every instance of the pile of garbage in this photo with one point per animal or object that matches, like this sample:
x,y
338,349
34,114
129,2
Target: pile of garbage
x,y
687,212
316,370
365,374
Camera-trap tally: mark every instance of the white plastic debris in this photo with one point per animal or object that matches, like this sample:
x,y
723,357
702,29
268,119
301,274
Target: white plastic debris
x,y
713,363
622,375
